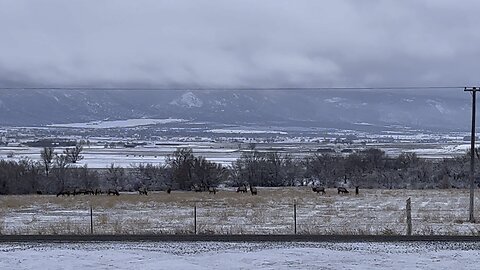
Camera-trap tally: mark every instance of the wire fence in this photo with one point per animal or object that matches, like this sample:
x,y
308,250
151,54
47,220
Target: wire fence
x,y
248,218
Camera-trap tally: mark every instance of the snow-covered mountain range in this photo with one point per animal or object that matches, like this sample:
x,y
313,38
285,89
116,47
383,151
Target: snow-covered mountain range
x,y
328,108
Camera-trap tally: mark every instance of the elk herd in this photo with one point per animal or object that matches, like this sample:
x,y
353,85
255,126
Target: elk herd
x,y
340,190
244,189
87,192
211,190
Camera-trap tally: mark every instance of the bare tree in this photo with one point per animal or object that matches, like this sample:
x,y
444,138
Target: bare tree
x,y
47,154
74,154
115,176
181,164
59,169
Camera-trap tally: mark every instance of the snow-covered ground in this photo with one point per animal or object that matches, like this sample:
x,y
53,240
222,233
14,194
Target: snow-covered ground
x,y
214,255
245,131
119,123
379,212
99,157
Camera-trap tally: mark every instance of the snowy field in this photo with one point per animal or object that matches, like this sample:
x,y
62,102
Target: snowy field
x,y
372,212
214,255
100,157
97,156
119,123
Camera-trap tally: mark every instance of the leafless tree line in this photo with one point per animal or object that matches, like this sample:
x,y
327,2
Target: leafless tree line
x,y
370,168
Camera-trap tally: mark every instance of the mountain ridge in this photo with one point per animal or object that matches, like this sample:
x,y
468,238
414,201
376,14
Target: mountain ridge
x,y
331,108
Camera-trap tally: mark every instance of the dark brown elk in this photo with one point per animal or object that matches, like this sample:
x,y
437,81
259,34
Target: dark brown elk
x,y
253,190
63,193
242,189
113,192
143,191
342,190
197,188
212,190
319,190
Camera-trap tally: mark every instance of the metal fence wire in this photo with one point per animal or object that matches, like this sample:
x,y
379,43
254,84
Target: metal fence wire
x,y
248,218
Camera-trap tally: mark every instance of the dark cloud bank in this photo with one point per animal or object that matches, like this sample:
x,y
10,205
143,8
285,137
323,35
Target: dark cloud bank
x,y
219,43
247,43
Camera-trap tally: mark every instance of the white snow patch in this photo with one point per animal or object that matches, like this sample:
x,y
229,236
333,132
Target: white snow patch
x,y
334,100
363,124
438,106
189,100
243,131
120,123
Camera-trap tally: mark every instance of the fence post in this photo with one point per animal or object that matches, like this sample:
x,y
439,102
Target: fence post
x,y
91,219
295,216
409,216
195,218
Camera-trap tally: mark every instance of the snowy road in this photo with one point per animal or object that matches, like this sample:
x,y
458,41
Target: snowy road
x,y
202,255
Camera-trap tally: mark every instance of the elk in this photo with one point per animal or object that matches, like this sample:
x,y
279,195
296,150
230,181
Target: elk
x,y
253,190
169,190
319,190
242,189
78,191
212,190
63,193
113,192
143,191
197,188
342,190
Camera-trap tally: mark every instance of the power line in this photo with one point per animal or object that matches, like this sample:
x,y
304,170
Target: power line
x,y
75,88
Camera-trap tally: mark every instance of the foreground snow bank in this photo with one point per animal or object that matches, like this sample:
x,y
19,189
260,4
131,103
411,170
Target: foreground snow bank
x,y
240,256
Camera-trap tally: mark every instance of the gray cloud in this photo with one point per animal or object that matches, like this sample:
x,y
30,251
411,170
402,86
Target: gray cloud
x,y
218,43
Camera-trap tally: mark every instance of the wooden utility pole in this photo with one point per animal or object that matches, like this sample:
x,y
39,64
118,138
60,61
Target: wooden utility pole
x,y
295,217
472,151
409,217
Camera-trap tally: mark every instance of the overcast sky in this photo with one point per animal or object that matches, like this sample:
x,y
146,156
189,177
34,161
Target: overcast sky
x,y
228,43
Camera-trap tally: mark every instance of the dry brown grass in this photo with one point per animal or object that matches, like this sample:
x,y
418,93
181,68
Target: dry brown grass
x,y
228,212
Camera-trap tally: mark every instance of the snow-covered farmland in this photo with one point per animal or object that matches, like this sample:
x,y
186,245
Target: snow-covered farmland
x,y
434,212
240,256
120,123
101,157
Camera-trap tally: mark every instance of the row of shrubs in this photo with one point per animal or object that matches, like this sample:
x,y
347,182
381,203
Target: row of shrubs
x,y
182,170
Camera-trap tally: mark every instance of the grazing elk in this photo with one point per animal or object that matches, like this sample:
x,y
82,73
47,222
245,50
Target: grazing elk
x,y
242,189
319,190
197,188
342,190
113,192
212,190
253,190
75,191
143,191
63,193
